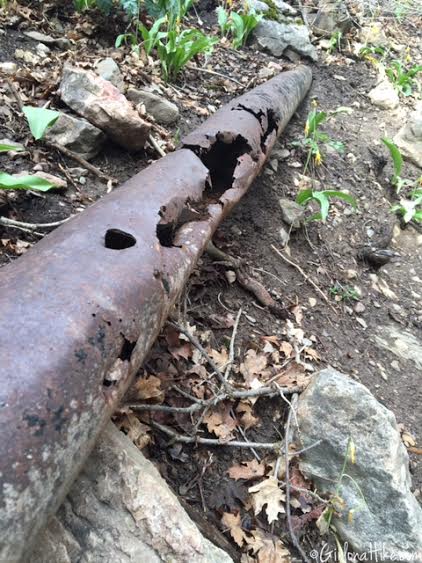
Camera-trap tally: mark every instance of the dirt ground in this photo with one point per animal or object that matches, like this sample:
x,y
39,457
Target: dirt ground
x,y
347,308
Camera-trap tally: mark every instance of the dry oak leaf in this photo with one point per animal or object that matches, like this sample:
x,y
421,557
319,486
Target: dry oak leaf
x,y
148,387
252,365
221,423
247,470
220,358
247,419
268,493
233,523
268,548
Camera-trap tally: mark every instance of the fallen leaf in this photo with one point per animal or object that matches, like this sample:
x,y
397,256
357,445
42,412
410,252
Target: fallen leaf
x,y
148,387
268,493
408,439
267,548
247,418
233,523
220,422
286,348
252,365
247,470
220,358
135,430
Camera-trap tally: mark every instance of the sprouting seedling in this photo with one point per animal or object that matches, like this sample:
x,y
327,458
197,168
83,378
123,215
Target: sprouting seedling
x,y
322,198
403,78
410,209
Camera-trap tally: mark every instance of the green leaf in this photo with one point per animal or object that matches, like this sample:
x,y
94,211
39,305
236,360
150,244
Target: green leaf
x,y
304,196
315,118
342,195
8,182
396,156
39,119
7,148
324,203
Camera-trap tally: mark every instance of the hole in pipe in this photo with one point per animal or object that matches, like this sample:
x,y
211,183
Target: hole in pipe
x,y
118,240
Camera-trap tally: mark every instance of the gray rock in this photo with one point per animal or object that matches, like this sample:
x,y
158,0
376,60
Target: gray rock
x,y
8,67
104,106
61,42
109,70
77,135
333,409
282,7
120,510
409,138
284,236
331,17
276,37
384,95
402,343
291,212
159,108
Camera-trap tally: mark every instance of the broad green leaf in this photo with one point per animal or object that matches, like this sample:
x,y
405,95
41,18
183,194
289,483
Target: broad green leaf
x,y
304,196
395,155
324,203
342,195
314,120
7,148
39,119
8,182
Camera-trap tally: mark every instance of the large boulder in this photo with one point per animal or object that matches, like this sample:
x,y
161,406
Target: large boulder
x,y
120,510
379,509
104,106
276,37
77,135
332,17
409,138
162,110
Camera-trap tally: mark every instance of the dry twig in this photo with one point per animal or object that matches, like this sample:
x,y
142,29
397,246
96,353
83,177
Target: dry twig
x,y
30,226
214,73
232,342
155,145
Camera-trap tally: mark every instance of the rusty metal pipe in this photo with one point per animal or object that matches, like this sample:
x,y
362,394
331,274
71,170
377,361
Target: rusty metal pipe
x,y
81,309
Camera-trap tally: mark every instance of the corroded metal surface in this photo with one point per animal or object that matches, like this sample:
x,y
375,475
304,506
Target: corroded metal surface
x,y
82,308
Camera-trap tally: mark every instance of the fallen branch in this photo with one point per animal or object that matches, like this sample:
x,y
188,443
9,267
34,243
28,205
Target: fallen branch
x,y
232,341
202,350
231,395
214,73
295,541
247,282
70,154
214,442
155,145
305,276
31,226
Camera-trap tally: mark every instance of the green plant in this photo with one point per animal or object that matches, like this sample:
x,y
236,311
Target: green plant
x,y
397,181
39,119
403,78
322,198
344,292
335,42
7,148
314,138
239,25
176,49
410,209
175,10
8,182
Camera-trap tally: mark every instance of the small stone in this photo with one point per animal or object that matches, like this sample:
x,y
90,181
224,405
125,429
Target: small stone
x,y
77,135
109,70
274,164
409,138
27,56
284,237
82,180
384,95
230,276
332,17
8,67
162,110
61,42
291,212
42,49
281,154
359,307
351,274
395,365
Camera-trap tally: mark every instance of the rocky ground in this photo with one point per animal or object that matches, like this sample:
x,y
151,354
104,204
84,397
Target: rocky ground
x,y
350,287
